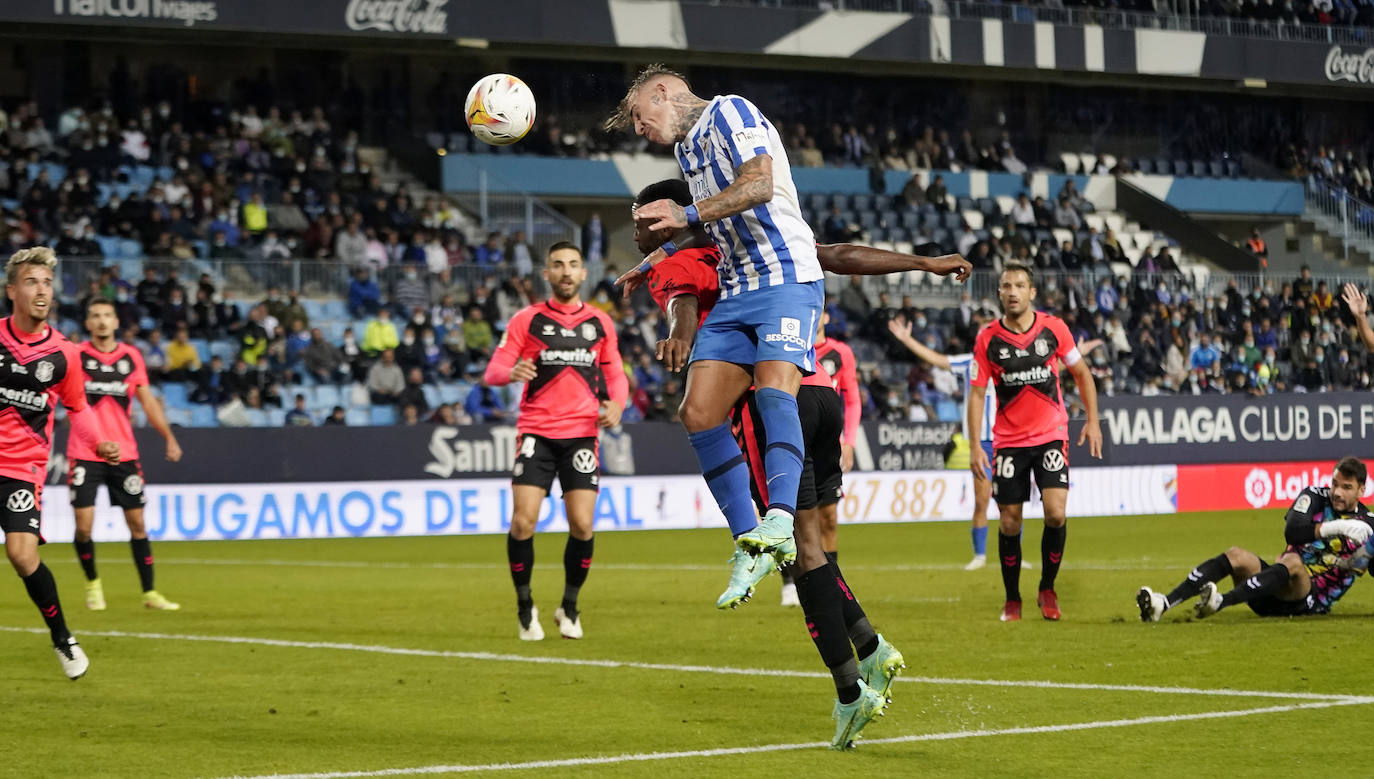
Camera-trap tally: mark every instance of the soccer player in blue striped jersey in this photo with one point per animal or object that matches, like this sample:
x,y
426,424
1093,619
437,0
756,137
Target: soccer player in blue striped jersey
x,y
760,332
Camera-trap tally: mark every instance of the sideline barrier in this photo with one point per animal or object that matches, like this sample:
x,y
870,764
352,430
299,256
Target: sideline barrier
x,y
1252,486
207,512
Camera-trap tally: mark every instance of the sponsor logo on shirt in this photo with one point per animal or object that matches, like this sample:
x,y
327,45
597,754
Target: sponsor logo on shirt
x,y
107,388
1033,375
22,398
580,356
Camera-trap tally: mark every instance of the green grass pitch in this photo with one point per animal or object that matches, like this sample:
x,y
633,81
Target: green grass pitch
x,y
318,687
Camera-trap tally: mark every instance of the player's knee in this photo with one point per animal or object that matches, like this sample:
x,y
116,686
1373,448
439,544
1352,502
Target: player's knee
x,y
522,525
136,528
1055,519
697,416
82,536
24,561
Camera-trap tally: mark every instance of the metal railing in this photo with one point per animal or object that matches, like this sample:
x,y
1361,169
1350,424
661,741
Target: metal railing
x,y
1078,17
1352,218
507,212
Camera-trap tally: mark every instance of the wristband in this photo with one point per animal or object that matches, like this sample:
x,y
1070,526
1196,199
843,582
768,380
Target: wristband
x,y
669,248
646,266
693,217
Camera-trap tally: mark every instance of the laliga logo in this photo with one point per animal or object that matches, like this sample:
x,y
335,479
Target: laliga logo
x,y
413,16
1357,67
1258,489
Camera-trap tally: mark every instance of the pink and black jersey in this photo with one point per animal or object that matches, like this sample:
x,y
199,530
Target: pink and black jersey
x,y
36,370
111,378
687,272
1025,369
838,361
577,359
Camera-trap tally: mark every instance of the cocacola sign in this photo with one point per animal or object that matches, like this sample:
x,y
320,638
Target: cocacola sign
x,y
398,16
1355,67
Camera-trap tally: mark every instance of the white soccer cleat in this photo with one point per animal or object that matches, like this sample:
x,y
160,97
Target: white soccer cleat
x,y
533,631
568,628
1026,564
1152,604
1209,600
978,561
72,658
152,599
789,594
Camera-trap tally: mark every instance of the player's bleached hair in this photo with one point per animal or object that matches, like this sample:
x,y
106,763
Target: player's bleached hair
x,y
1019,267
38,255
621,118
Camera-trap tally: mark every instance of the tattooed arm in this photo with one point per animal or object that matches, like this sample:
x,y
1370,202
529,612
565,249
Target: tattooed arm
x,y
753,185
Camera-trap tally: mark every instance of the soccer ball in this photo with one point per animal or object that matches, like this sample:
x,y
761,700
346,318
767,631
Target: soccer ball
x,y
499,109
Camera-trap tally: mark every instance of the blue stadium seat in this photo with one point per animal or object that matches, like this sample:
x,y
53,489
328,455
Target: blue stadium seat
x,y
130,249
382,415
327,396
953,220
181,417
840,200
1233,169
1145,165
109,245
965,203
911,220
450,392
868,220
947,410
942,237
882,203
314,309
358,417
988,206
930,221
861,203
431,395
174,395
1215,169
817,201
202,348
898,234
877,234
225,350
203,415
290,391
336,308
276,417
1180,167
1199,168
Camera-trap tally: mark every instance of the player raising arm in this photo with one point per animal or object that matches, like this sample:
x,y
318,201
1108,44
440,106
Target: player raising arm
x,y
1020,354
113,372
567,354
1325,529
38,366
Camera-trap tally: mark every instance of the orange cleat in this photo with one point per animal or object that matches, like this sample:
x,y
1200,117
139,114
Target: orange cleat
x,y
1011,611
1049,605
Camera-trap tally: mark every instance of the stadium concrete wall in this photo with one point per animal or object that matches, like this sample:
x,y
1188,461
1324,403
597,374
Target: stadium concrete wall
x,y
624,175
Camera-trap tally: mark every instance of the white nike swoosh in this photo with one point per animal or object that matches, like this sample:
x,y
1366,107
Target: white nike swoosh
x,y
772,478
791,349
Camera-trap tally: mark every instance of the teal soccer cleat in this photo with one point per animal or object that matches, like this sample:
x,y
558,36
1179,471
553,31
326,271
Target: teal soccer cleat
x,y
881,668
772,536
850,718
746,571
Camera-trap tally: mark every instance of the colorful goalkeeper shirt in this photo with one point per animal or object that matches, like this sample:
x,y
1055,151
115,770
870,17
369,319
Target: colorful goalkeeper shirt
x,y
1322,556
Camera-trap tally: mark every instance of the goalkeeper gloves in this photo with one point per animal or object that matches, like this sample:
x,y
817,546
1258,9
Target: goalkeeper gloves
x,y
1353,529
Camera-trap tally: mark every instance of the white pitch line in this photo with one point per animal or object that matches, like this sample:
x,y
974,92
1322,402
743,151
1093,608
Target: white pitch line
x,y
1089,565
708,669
947,736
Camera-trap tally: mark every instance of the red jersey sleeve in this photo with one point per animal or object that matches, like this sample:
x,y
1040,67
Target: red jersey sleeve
x,y
1068,350
612,365
138,377
72,389
509,350
688,272
981,370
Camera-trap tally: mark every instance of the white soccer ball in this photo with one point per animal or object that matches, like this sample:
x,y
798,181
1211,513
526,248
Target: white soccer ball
x,y
499,109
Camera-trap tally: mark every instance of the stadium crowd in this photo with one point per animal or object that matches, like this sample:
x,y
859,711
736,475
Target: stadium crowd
x,y
1158,335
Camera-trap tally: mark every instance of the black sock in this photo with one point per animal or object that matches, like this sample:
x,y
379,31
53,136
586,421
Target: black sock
x,y
577,561
1268,582
85,554
786,574
1213,570
143,561
43,591
1009,553
521,557
861,633
822,604
1051,552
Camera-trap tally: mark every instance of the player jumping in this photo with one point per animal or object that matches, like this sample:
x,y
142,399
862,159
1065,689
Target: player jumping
x,y
771,288
113,373
566,352
38,366
685,286
1019,353
1325,529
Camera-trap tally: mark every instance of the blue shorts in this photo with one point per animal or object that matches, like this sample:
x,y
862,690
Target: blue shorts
x,y
770,323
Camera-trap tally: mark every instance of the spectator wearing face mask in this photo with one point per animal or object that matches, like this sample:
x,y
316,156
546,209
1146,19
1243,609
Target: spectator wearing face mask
x,y
411,291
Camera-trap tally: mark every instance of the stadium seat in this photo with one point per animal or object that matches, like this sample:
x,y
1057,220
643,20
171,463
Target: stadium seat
x,y
382,415
130,249
953,220
326,396
1108,160
877,234
1215,169
109,245
817,201
431,395
290,391
225,350
182,417
1145,165
1089,162
947,410
898,234
911,220
861,203
889,218
358,417
202,348
1004,203
1233,169
1163,167
276,417
840,200
942,237
988,206
1180,167
867,220
1199,168
203,415
974,219
256,417
1042,235
1114,222
174,395
1070,162
882,203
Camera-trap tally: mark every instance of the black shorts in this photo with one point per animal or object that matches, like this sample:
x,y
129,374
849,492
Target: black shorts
x,y
1271,606
822,423
575,461
21,506
124,481
1012,468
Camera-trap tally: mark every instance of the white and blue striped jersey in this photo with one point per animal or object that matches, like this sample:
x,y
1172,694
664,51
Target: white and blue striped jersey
x,y
963,366
770,244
